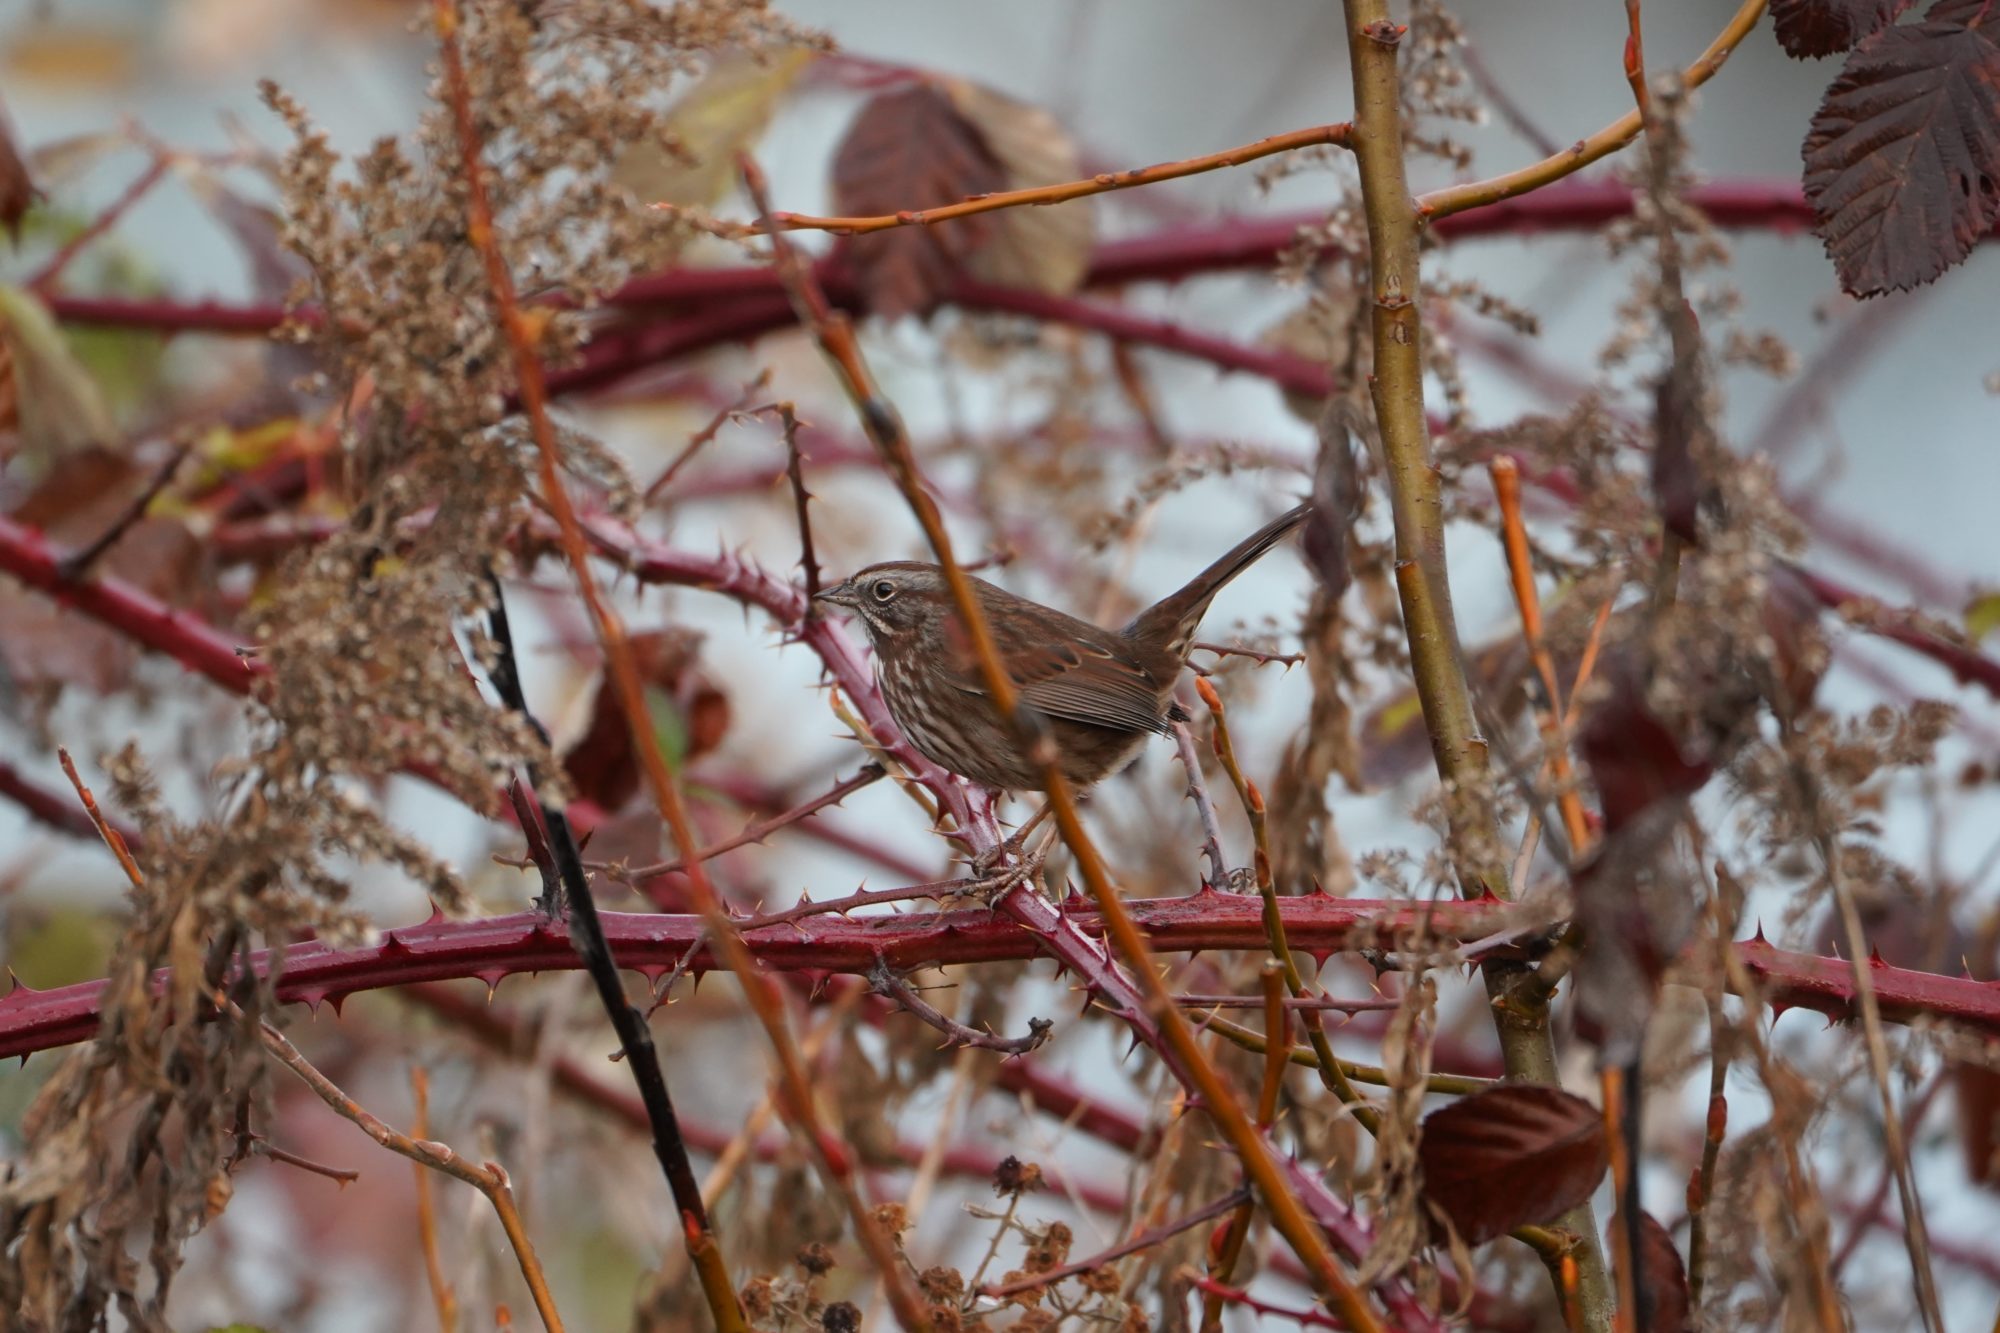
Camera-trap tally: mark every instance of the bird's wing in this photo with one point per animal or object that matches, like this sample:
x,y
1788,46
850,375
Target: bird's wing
x,y
1083,674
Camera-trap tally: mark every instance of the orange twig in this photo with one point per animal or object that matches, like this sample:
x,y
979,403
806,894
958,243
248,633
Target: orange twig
x,y
1477,194
441,1292
1044,195
1507,489
1277,1046
112,837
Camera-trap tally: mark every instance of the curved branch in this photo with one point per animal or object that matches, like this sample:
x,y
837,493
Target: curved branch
x,y
1620,132
1044,195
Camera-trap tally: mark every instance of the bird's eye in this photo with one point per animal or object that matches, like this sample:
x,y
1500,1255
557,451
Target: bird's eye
x,y
883,590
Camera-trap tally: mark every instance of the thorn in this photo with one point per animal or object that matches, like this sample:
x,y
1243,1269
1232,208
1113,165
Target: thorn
x,y
436,916
336,1000
312,999
392,944
1875,958
492,976
1319,957
16,986
1758,938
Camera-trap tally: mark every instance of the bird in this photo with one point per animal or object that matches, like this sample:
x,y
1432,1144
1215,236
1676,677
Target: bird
x,y
1100,692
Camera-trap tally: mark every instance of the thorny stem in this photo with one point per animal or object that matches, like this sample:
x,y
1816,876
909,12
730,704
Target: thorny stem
x,y
1172,1031
1520,1014
652,943
1477,194
887,982
758,830
1197,790
1044,195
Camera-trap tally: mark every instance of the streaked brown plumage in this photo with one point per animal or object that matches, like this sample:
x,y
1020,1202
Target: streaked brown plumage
x,y
1101,691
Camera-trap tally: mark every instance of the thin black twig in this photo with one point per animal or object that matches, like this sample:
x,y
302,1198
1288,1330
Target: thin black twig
x,y
887,982
586,933
795,471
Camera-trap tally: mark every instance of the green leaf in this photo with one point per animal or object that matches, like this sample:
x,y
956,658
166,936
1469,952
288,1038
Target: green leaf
x,y
1982,616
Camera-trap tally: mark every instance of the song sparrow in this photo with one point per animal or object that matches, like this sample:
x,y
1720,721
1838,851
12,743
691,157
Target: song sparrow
x,y
1102,692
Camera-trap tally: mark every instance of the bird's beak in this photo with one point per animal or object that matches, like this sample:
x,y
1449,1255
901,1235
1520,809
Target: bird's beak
x,y
840,594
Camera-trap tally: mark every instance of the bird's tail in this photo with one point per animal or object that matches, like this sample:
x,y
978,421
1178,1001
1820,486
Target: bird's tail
x,y
1175,619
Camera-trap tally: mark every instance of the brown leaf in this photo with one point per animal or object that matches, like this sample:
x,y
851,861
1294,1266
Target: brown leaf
x,y
909,150
1663,1284
83,494
1903,158
690,717
61,408
1511,1156
725,112
1046,249
1809,29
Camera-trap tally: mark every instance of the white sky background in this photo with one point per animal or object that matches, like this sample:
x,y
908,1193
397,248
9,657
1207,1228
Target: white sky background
x,y
1907,442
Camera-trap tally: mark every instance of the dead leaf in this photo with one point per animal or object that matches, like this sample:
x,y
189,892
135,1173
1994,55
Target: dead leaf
x,y
1903,158
910,150
724,113
1046,249
1511,1156
59,404
1663,1283
83,494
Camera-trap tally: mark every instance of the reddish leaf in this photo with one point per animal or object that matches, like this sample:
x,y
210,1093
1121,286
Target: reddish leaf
x,y
1809,29
910,150
1663,1284
46,645
1510,1157
1903,158
690,717
1634,759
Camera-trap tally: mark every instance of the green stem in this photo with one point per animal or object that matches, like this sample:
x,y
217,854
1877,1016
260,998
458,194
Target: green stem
x,y
1520,1008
